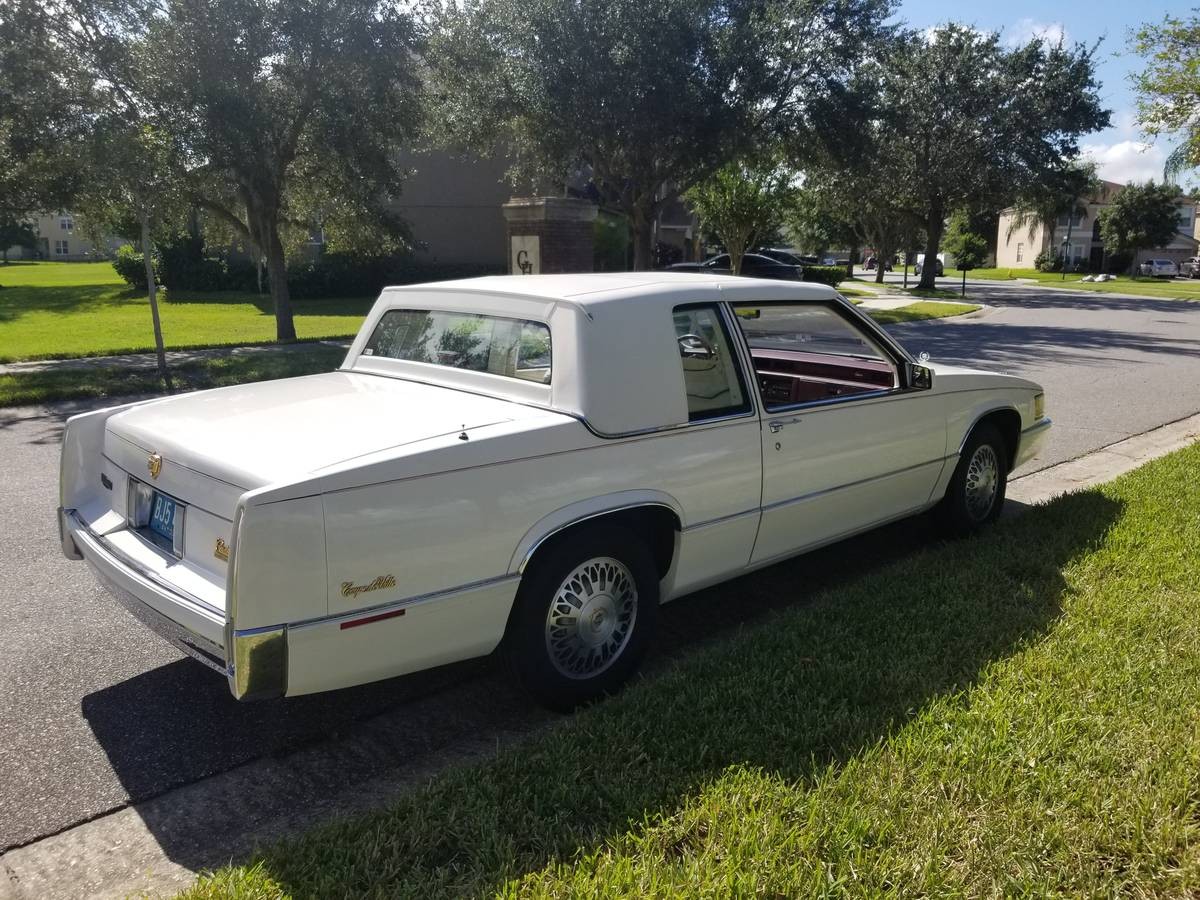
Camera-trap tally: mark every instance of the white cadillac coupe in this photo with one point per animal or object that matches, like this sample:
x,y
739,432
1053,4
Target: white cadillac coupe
x,y
533,462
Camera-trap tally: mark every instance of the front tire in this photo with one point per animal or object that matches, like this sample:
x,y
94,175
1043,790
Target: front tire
x,y
584,616
975,495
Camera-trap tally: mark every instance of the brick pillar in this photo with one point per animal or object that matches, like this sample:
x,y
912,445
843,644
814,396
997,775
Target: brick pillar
x,y
549,234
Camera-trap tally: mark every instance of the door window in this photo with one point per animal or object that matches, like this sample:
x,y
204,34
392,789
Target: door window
x,y
711,376
808,352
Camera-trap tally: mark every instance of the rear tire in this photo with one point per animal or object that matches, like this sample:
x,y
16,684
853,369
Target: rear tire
x,y
975,495
584,616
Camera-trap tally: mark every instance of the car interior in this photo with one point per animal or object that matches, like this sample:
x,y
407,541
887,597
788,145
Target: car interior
x,y
806,353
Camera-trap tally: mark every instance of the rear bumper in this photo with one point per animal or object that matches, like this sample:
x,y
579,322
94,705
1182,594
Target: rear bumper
x,y
257,665
1032,439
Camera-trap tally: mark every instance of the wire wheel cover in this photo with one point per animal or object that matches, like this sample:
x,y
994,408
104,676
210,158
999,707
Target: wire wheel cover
x,y
983,478
591,617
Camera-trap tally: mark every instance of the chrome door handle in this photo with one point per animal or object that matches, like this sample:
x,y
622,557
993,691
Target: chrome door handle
x,y
777,424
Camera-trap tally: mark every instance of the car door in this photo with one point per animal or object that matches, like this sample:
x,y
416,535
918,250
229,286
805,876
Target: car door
x,y
845,444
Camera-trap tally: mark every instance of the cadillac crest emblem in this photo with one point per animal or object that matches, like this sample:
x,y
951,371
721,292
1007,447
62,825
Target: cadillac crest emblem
x,y
154,464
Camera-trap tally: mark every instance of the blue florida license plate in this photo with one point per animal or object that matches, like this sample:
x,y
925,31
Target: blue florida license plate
x,y
163,512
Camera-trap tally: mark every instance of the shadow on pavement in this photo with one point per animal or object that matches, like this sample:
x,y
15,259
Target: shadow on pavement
x,y
178,723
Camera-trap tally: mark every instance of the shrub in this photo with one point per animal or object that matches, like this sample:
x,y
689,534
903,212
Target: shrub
x,y
131,266
353,275
1048,261
830,275
183,266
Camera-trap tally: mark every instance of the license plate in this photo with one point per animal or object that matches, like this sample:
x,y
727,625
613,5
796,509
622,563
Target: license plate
x,y
163,512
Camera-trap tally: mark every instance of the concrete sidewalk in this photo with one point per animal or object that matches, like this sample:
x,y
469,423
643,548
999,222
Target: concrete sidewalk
x,y
139,361
118,854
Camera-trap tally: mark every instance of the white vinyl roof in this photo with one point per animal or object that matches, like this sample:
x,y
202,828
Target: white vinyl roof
x,y
614,353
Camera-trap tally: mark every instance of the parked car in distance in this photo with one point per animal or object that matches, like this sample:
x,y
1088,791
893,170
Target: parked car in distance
x,y
787,257
754,265
1190,267
1159,268
531,463
939,269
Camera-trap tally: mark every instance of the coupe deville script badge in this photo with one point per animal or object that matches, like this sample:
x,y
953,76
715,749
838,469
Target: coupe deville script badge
x,y
221,551
154,464
350,589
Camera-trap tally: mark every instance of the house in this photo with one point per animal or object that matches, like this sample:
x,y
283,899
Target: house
x,y
1078,236
452,204
60,236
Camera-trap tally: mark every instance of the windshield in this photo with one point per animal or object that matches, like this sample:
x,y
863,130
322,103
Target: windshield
x,y
514,348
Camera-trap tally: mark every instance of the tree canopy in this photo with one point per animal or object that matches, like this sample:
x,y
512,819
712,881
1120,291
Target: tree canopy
x,y
1168,89
968,123
649,98
1140,216
285,114
742,204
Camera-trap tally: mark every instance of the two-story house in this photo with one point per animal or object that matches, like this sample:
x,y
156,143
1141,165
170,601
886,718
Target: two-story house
x,y
1077,236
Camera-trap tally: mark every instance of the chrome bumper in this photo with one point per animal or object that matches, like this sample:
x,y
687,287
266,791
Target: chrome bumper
x,y
257,666
1031,440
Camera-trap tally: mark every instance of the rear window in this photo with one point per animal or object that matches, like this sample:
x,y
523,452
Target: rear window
x,y
514,348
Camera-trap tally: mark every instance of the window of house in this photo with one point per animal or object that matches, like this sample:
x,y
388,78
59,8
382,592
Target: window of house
x,y
1074,220
62,248
1186,215
66,223
712,379
808,352
1020,252
514,348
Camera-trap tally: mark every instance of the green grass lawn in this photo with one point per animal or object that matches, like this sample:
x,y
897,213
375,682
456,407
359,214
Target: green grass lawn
x,y
1150,287
1012,715
59,310
109,381
916,312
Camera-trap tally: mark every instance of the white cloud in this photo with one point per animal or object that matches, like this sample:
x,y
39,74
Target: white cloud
x,y
1126,161
1025,30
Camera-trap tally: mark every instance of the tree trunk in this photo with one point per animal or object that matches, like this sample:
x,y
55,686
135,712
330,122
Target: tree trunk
x,y
850,263
152,292
643,237
285,326
933,240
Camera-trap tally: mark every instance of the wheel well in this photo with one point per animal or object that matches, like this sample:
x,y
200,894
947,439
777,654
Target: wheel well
x,y
655,525
1008,422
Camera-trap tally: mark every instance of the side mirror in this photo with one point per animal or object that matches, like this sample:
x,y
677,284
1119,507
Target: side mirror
x,y
918,378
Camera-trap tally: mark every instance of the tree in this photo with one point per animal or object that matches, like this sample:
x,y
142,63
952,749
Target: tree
x,y
742,204
969,248
1139,217
287,114
648,98
136,175
15,233
1168,89
39,114
968,121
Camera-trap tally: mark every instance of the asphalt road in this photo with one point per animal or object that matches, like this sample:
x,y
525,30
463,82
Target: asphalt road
x,y
95,712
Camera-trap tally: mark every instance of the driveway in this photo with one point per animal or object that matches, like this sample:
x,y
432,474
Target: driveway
x,y
97,712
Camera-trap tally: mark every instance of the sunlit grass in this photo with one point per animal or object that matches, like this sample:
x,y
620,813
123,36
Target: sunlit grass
x,y
59,310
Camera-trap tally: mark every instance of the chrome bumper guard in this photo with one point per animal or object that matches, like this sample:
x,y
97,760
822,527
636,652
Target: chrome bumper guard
x,y
257,666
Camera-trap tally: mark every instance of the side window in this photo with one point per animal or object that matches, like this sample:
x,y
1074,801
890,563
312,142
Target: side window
x,y
711,376
808,352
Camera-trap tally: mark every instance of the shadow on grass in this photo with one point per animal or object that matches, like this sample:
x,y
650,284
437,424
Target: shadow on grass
x,y
24,299
814,681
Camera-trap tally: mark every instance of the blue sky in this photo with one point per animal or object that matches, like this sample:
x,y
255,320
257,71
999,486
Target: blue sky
x,y
1119,152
